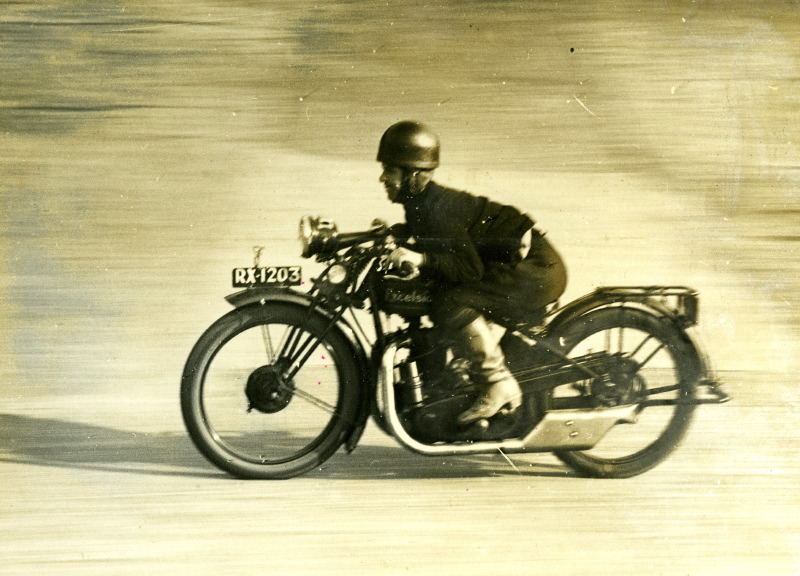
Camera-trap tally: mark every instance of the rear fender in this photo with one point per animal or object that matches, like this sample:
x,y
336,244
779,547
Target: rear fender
x,y
674,304
264,295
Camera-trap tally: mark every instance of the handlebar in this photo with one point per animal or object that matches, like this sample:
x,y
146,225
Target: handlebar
x,y
320,237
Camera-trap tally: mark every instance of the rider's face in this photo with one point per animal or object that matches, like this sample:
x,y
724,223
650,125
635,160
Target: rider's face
x,y
392,179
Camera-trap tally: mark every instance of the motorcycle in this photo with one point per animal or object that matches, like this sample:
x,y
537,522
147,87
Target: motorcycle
x,y
275,387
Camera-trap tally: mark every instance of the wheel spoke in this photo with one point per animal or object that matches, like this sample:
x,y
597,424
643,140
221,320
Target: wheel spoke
x,y
269,348
644,363
311,399
644,341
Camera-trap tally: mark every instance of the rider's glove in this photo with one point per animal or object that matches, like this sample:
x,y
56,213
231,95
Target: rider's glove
x,y
403,258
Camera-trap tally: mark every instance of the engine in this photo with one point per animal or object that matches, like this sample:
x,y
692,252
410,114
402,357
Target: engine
x,y
432,388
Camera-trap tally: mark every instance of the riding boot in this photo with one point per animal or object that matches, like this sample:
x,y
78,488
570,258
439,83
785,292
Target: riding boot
x,y
489,371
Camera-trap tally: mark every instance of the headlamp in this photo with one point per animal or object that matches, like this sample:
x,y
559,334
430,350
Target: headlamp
x,y
337,274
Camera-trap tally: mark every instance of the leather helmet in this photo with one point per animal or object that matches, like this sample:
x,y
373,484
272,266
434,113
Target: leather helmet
x,y
409,144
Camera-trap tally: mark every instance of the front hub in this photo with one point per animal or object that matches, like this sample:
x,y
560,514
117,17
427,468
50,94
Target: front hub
x,y
268,390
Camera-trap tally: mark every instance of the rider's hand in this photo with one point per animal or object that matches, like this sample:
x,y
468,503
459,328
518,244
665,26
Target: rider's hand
x,y
403,258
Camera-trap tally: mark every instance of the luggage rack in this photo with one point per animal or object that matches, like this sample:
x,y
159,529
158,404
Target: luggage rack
x,y
680,301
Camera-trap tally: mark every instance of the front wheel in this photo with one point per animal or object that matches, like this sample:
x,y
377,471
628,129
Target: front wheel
x,y
651,364
269,391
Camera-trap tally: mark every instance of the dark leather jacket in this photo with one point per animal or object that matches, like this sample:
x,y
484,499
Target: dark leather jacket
x,y
460,233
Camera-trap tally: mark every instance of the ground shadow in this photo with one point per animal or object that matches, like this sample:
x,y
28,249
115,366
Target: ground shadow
x,y
53,442
395,462
61,443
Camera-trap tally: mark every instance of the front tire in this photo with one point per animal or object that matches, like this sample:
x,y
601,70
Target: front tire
x,y
655,366
269,391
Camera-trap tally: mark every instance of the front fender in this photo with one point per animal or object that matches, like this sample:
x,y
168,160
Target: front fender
x,y
262,295
265,294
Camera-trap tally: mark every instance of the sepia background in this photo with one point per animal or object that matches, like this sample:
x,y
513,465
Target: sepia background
x,y
146,147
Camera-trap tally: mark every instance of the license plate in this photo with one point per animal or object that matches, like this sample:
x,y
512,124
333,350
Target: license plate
x,y
267,276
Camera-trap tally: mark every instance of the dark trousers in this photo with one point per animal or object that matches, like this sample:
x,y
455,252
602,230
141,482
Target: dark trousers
x,y
506,293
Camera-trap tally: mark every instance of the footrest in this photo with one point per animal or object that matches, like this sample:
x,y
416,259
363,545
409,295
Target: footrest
x,y
711,392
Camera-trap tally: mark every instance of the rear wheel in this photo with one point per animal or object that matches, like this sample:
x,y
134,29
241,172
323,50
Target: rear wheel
x,y
269,391
652,365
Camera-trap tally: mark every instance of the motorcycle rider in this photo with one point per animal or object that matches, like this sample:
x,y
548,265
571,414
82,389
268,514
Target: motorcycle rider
x,y
488,259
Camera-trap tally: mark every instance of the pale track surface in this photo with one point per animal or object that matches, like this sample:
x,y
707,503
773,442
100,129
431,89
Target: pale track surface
x,y
146,149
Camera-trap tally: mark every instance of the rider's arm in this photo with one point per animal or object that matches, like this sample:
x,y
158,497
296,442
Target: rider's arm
x,y
454,259
439,222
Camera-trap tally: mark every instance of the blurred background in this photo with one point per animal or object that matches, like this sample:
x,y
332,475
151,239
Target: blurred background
x,y
147,147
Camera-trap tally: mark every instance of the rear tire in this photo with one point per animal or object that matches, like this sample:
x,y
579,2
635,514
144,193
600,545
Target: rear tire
x,y
658,369
245,409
